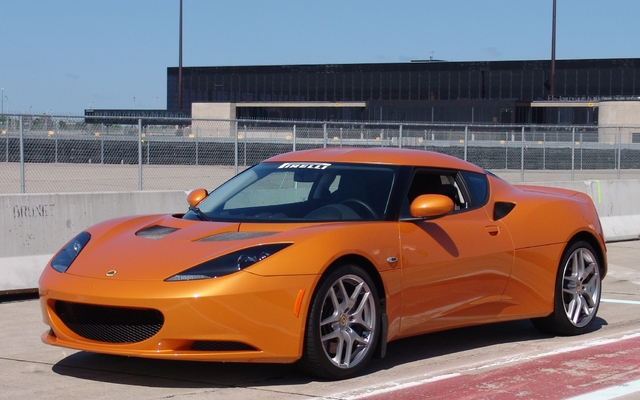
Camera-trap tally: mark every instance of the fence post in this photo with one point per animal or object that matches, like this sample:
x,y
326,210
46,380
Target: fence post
x,y
506,150
56,132
294,137
400,138
466,137
102,133
140,154
619,151
522,156
581,141
7,143
324,128
544,150
22,188
235,148
196,135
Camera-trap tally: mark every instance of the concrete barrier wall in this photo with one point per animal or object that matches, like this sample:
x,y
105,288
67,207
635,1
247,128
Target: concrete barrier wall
x,y
34,226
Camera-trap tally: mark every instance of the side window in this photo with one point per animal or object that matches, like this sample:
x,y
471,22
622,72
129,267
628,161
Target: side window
x,y
335,184
478,187
438,182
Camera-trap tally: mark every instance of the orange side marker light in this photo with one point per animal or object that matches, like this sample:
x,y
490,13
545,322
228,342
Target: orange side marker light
x,y
298,304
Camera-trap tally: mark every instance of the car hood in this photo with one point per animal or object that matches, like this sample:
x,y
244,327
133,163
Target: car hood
x,y
157,247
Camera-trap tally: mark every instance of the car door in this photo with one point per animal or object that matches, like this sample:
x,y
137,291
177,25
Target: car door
x,y
454,268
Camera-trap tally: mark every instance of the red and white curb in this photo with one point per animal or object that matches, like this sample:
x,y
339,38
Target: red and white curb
x,y
605,368
600,369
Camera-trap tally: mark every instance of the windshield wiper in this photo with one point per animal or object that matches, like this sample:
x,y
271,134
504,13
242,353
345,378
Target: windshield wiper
x,y
198,212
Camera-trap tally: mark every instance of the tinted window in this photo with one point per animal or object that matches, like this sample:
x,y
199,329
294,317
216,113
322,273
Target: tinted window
x,y
436,182
478,187
303,191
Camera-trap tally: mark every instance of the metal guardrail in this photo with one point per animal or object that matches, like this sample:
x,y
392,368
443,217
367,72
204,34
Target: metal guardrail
x,y
43,153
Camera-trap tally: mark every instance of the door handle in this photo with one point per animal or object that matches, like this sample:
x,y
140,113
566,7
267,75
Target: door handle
x,y
492,230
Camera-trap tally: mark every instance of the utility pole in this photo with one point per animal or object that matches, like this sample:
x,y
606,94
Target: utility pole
x,y
553,53
180,62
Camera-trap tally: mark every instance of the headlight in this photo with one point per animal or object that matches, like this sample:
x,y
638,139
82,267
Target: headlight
x,y
229,263
62,261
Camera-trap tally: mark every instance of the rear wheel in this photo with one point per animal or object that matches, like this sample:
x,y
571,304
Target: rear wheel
x,y
342,325
577,292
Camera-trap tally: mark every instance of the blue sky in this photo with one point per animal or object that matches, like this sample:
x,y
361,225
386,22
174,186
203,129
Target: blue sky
x,y
60,57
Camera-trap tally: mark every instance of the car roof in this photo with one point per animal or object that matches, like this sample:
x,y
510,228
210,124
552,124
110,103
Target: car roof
x,y
377,155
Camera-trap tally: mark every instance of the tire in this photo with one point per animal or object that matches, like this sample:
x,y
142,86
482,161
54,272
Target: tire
x,y
577,292
343,324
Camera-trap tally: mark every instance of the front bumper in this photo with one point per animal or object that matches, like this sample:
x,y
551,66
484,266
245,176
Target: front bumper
x,y
240,317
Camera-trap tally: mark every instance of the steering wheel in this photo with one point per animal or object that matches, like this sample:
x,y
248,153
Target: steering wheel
x,y
362,205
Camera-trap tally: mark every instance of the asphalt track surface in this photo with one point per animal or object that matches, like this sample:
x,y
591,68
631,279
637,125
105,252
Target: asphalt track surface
x,y
498,361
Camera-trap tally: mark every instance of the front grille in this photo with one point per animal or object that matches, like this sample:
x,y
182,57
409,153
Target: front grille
x,y
211,345
110,324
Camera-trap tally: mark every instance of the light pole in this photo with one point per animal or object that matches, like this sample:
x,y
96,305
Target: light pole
x,y
2,108
180,62
553,53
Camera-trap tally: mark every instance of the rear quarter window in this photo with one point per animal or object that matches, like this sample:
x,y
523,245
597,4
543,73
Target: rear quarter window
x,y
478,187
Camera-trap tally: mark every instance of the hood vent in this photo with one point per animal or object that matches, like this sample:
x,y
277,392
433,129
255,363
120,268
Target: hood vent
x,y
221,237
502,209
155,232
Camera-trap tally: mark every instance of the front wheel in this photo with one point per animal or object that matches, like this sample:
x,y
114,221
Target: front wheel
x,y
577,293
342,325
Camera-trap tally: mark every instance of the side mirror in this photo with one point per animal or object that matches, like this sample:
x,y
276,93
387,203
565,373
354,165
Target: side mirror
x,y
431,206
196,196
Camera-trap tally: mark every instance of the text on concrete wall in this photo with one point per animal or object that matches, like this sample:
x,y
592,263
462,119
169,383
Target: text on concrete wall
x,y
38,211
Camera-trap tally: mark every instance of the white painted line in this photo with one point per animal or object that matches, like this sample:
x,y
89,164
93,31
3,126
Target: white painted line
x,y
620,301
612,392
392,387
562,350
386,387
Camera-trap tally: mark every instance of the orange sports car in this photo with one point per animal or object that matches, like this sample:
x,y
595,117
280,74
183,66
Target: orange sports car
x,y
322,257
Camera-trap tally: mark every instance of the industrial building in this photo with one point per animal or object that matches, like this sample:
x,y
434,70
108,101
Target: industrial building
x,y
421,91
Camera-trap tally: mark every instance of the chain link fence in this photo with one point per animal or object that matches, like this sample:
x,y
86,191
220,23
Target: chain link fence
x,y
49,154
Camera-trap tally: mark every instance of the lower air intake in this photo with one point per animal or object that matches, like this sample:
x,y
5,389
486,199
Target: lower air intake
x,y
109,324
211,345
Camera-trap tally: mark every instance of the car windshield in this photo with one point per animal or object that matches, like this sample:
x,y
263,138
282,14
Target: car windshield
x,y
303,191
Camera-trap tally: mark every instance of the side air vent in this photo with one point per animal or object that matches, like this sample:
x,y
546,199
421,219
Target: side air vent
x,y
502,209
221,237
155,232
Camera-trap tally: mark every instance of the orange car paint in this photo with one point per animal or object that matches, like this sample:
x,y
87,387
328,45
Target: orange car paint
x,y
458,270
